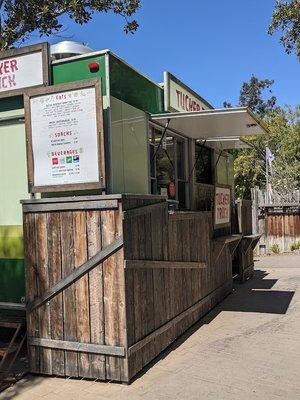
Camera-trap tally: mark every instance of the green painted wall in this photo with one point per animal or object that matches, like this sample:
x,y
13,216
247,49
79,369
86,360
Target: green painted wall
x,y
129,86
13,178
129,148
76,70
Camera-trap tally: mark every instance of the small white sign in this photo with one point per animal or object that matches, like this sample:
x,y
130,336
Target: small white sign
x,y
178,97
20,72
222,206
64,137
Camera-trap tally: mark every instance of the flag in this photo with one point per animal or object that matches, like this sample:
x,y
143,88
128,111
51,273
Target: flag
x,y
269,155
270,158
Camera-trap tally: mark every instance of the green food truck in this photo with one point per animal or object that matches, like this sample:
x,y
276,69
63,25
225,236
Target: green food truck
x,y
161,139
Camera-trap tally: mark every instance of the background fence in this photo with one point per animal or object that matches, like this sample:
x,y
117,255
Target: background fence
x,y
277,219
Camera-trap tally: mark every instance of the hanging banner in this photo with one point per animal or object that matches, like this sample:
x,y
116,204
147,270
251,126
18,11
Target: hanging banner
x,y
64,130
23,68
179,97
222,208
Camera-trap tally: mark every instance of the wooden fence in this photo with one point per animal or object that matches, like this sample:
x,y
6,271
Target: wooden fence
x,y
111,281
278,222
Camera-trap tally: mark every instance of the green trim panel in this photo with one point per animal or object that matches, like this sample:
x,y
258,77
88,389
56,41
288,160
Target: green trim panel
x,y
129,86
12,280
11,242
11,103
77,70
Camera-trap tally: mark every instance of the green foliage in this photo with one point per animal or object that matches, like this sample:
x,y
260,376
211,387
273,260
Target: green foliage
x,y
283,139
295,246
19,19
275,248
286,18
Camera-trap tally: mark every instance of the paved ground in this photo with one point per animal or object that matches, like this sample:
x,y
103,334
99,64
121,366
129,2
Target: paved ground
x,y
247,348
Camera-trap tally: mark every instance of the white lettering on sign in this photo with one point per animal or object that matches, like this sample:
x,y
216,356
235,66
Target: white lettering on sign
x,y
179,98
222,205
21,71
65,138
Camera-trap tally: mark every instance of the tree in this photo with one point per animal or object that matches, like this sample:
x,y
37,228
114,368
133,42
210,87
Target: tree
x,y
283,139
253,95
283,127
20,18
286,18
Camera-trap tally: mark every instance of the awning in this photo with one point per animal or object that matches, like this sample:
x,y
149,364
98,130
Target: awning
x,y
223,123
224,143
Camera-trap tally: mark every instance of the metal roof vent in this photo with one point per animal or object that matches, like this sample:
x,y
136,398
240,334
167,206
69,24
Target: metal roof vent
x,y
67,49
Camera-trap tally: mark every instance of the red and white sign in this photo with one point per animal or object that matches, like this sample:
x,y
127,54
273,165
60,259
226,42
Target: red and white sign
x,y
20,72
178,97
222,206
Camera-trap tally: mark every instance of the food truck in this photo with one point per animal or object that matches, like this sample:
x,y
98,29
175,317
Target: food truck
x,y
126,222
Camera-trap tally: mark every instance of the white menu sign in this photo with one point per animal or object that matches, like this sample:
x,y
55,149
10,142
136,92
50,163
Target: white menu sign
x,y
21,71
222,206
64,137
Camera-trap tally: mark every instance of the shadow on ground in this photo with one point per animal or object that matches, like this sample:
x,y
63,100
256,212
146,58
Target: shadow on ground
x,y
253,296
256,295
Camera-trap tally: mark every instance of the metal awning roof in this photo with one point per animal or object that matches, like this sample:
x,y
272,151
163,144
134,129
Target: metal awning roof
x,y
227,143
225,123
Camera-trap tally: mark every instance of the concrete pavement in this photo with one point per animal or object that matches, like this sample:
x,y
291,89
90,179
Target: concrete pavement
x,y
247,348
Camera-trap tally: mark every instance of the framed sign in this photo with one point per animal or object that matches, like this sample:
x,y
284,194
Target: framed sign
x,y
179,97
23,68
64,137
222,206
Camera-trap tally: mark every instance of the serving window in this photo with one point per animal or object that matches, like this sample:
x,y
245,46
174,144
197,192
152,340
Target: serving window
x,y
168,165
203,167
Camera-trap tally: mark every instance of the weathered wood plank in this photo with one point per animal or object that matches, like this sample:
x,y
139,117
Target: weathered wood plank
x,y
56,304
178,318
96,296
31,286
43,285
82,292
142,210
79,347
114,294
105,253
12,306
161,264
69,293
69,206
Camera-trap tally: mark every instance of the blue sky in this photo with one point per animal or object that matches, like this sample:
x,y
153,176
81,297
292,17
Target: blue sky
x,y
212,46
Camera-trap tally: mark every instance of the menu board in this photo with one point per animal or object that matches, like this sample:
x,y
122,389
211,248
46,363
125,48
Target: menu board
x,y
64,138
222,206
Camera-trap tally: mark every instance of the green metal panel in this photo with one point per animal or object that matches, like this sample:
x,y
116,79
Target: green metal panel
x,y
13,173
12,280
76,70
11,103
128,85
13,181
222,174
129,148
